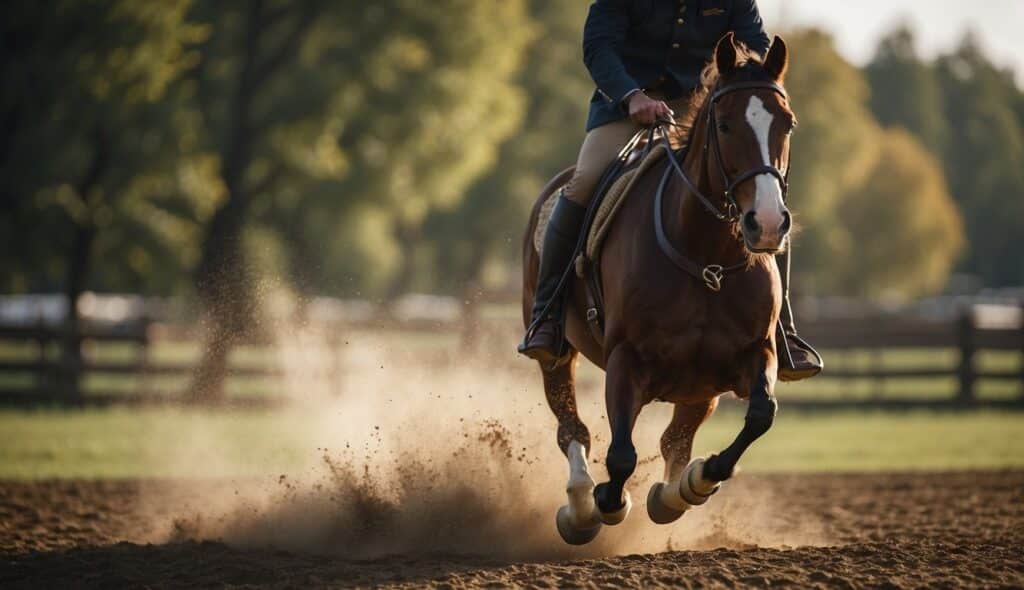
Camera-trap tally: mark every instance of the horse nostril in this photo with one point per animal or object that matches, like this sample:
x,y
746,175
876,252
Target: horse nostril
x,y
750,221
787,223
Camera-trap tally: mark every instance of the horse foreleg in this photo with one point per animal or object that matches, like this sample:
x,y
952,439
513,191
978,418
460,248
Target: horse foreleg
x,y
667,500
760,415
577,521
623,401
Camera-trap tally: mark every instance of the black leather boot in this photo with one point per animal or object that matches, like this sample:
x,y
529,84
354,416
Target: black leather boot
x,y
543,341
797,359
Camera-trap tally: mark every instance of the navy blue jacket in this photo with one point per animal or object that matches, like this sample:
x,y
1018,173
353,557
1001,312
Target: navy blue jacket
x,y
658,45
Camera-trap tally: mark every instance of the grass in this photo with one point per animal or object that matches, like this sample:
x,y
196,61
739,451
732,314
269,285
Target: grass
x,y
129,443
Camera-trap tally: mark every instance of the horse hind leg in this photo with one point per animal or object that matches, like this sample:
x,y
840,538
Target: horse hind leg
x,y
578,521
683,486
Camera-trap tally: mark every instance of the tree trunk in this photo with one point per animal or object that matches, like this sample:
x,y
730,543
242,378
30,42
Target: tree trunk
x,y
223,281
407,236
78,264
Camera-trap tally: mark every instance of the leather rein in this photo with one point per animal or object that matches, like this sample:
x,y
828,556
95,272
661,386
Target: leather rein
x,y
710,274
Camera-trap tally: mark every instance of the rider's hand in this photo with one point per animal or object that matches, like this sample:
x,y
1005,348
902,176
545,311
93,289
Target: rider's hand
x,y
644,110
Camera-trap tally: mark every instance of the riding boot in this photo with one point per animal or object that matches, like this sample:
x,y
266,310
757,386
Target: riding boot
x,y
544,338
797,359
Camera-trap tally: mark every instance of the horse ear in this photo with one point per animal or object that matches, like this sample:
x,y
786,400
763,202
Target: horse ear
x,y
777,60
725,54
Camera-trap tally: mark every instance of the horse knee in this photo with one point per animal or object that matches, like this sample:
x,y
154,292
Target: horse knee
x,y
573,431
760,414
621,461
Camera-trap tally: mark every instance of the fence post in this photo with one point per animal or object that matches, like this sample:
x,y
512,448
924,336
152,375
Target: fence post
x,y
334,346
45,382
1020,328
968,377
143,378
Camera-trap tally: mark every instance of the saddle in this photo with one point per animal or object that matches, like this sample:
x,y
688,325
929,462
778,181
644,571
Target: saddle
x,y
617,183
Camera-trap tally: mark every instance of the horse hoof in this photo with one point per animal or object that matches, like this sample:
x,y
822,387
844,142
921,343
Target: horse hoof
x,y
660,512
613,518
693,487
569,533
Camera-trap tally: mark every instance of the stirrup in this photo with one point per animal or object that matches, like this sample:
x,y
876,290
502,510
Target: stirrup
x,y
553,356
787,368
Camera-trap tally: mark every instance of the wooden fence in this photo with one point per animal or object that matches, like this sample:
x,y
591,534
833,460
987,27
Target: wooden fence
x,y
45,376
56,378
964,335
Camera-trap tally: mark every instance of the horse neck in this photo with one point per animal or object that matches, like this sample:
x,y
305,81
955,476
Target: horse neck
x,y
701,236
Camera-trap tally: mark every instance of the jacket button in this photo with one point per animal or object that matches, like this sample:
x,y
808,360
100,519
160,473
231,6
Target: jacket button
x,y
680,21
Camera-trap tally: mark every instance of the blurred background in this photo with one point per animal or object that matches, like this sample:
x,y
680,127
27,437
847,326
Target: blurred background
x,y
244,204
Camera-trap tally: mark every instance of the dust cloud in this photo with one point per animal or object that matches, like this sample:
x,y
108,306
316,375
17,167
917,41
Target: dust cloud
x,y
420,448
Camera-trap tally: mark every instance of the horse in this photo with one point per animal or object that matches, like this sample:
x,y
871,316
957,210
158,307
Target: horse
x,y
691,306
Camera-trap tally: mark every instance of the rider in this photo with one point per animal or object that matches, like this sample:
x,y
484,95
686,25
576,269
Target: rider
x,y
645,57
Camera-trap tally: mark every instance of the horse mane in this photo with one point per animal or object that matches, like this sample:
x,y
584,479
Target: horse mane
x,y
749,67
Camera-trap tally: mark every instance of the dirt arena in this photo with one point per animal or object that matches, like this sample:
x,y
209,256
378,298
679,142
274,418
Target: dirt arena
x,y
877,530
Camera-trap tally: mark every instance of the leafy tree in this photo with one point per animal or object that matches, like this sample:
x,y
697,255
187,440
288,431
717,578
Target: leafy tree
x,y
323,116
903,225
850,179
905,90
833,149
984,160
434,109
484,232
968,113
89,144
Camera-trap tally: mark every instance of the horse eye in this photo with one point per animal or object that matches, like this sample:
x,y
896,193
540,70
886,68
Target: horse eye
x,y
723,127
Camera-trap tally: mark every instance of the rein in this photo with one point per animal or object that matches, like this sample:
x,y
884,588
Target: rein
x,y
711,274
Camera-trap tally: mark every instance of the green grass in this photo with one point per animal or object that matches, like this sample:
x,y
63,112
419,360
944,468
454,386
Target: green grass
x,y
127,443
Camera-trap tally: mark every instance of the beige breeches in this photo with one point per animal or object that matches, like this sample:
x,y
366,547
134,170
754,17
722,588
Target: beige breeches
x,y
600,147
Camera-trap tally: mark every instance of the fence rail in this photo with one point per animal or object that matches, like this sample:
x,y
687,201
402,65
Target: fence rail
x,y
48,377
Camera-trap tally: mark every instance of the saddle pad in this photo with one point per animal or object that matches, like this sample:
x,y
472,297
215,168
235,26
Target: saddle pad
x,y
614,199
606,210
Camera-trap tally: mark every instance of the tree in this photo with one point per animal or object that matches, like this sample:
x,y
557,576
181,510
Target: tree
x,y
486,229
88,142
321,115
905,90
984,160
238,96
903,225
968,113
834,147
850,180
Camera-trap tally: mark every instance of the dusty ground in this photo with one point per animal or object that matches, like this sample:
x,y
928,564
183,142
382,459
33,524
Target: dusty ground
x,y
923,530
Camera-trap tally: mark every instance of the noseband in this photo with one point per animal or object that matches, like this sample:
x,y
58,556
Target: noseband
x,y
711,274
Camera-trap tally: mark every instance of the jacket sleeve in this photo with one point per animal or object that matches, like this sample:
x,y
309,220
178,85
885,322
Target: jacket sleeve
x,y
605,31
748,26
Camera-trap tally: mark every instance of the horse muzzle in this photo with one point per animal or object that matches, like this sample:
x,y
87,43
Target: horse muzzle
x,y
764,232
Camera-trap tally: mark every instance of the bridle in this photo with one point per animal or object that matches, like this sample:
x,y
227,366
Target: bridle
x,y
711,274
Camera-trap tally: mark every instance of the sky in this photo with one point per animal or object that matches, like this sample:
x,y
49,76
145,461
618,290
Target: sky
x,y
939,24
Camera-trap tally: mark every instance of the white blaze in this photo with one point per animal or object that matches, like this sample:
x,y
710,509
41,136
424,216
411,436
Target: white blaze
x,y
768,205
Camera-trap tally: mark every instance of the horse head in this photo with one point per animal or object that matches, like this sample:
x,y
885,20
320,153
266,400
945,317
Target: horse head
x,y
749,126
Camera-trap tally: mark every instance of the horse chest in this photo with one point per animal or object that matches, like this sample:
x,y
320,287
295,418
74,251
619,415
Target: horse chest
x,y
696,360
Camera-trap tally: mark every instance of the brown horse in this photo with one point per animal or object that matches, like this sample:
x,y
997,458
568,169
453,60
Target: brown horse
x,y
692,295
